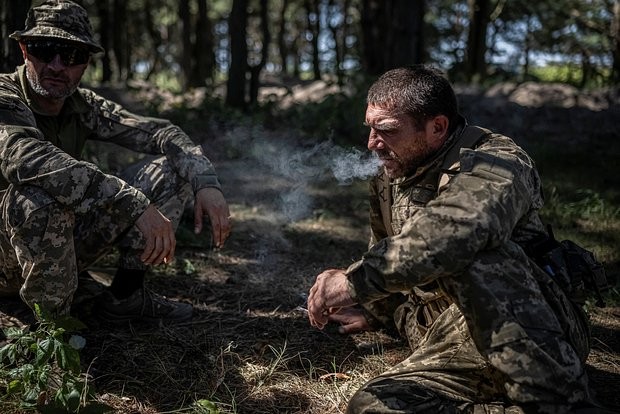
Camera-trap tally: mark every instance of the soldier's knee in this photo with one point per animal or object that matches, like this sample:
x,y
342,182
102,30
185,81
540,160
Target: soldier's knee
x,y
27,203
359,403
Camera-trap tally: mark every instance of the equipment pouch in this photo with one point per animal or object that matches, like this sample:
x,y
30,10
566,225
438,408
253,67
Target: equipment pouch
x,y
575,269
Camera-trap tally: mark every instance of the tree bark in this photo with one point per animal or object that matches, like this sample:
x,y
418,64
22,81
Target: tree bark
x,y
282,47
204,57
256,70
120,43
103,7
237,27
615,72
314,27
154,35
339,34
12,17
186,44
475,63
392,34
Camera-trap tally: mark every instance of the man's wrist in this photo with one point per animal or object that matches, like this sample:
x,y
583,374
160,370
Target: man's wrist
x,y
205,181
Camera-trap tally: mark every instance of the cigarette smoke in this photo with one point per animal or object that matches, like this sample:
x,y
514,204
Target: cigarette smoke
x,y
303,166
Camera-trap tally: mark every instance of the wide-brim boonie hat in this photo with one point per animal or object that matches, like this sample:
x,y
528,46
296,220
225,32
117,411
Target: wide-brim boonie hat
x,y
59,19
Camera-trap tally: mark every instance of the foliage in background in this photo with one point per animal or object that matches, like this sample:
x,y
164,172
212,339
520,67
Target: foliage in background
x,y
40,368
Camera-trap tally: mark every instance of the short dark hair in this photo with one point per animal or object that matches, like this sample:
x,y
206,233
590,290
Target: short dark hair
x,y
420,91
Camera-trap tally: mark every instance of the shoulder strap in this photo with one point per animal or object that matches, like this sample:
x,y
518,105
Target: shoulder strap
x,y
470,137
384,193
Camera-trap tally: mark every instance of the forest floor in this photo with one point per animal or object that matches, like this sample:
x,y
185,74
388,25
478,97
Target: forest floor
x,y
250,348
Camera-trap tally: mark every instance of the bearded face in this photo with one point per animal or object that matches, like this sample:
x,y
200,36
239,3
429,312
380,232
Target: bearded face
x,y
398,142
52,76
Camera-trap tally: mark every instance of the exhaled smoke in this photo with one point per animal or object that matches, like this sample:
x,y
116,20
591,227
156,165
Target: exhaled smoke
x,y
354,164
301,167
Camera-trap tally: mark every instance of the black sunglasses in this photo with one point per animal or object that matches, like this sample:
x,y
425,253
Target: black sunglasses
x,y
69,55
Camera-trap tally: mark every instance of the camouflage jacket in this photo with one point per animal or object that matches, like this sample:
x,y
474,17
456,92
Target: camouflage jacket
x,y
438,225
44,151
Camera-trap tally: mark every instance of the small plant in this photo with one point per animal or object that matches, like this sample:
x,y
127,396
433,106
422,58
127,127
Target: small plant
x,y
40,368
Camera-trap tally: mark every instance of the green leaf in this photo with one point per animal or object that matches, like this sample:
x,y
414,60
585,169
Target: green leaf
x,y
31,395
73,400
42,314
44,375
8,353
68,358
188,267
207,406
16,386
14,333
45,350
27,371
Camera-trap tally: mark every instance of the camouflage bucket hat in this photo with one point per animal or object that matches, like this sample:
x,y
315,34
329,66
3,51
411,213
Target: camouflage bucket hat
x,y
59,19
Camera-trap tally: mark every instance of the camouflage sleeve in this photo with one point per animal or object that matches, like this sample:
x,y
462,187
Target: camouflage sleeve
x,y
26,158
111,122
477,210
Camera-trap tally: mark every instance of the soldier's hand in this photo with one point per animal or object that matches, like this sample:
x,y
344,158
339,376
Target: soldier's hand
x,y
158,233
351,320
328,295
211,201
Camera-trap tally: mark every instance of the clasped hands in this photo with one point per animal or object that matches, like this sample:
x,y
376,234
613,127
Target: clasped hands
x,y
158,231
330,300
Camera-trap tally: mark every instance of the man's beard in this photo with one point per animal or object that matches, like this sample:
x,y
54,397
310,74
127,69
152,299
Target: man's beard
x,y
52,93
402,167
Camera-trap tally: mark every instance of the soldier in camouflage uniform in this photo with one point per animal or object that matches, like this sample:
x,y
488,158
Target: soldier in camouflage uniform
x,y
60,213
490,332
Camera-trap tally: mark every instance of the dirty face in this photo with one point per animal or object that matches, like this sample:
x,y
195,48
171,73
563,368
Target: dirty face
x,y
400,144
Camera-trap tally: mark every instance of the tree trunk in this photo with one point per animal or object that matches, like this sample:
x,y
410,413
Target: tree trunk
x,y
12,17
314,27
204,57
475,63
527,48
256,70
282,48
186,44
374,24
103,7
154,35
237,24
405,44
339,33
120,41
392,34
615,72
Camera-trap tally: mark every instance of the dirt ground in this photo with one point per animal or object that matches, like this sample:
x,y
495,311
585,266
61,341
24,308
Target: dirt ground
x,y
249,348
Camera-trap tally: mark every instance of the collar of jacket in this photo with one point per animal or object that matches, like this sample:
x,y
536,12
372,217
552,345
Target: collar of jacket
x,y
74,104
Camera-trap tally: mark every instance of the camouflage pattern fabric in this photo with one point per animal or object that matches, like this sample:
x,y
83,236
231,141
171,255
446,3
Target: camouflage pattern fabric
x,y
59,212
46,244
59,19
489,330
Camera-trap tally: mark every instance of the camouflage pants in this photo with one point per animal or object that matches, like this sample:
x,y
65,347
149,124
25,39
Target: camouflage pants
x,y
510,343
44,245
